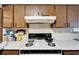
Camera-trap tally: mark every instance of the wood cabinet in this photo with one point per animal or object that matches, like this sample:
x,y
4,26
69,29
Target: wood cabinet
x,y
9,52
71,52
31,10
78,16
8,16
19,20
36,10
47,10
60,12
66,15
72,16
51,10
13,16
44,10
0,24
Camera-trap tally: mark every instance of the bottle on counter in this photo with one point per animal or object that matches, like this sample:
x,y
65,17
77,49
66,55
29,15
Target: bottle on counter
x,y
11,36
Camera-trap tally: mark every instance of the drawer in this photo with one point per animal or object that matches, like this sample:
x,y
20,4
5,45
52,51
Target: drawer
x,y
71,52
10,52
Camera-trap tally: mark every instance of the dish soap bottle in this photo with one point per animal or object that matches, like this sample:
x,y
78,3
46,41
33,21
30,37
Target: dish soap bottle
x,y
12,37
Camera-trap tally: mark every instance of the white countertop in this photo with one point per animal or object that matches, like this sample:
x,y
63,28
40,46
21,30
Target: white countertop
x,y
66,43
60,44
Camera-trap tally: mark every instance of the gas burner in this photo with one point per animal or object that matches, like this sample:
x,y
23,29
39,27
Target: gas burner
x,y
30,43
51,44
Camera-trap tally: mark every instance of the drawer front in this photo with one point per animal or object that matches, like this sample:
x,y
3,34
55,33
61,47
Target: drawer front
x,y
10,52
71,52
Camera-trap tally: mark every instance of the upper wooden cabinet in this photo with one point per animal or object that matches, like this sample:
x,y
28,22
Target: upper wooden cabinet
x,y
31,10
60,12
51,10
44,10
8,16
72,16
66,15
37,10
78,16
0,17
19,16
0,24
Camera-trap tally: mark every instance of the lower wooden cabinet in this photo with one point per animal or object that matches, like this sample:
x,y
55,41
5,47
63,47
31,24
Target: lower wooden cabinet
x,y
9,52
71,52
16,52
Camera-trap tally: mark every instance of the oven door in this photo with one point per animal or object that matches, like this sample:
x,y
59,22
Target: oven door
x,y
55,52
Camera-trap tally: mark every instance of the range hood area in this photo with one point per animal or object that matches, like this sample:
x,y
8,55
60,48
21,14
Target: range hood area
x,y
40,19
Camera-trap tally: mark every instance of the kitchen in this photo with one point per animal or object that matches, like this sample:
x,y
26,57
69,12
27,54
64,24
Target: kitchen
x,y
62,22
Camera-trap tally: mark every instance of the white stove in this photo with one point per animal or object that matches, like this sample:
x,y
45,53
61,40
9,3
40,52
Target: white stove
x,y
38,30
40,33
40,46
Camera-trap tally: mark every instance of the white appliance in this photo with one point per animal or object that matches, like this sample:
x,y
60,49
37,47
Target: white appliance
x,y
39,46
40,21
39,31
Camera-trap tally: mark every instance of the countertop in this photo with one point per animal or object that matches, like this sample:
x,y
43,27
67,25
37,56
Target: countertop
x,y
63,41
60,44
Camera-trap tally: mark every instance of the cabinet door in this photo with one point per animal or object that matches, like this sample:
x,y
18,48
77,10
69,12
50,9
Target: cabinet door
x,y
60,12
31,10
8,16
36,10
71,52
78,16
44,10
0,23
19,20
51,10
10,52
72,16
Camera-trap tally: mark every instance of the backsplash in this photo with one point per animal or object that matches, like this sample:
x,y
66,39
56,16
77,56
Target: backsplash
x,y
62,30
64,33
58,33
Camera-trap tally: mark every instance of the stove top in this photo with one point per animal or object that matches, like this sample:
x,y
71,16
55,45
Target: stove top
x,y
40,43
